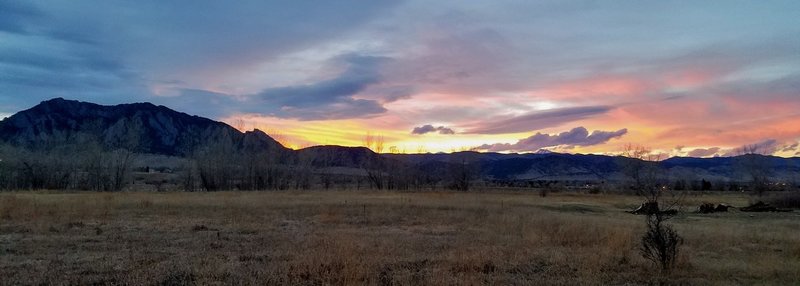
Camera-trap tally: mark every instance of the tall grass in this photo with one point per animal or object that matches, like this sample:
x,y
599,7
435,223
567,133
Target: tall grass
x,y
377,238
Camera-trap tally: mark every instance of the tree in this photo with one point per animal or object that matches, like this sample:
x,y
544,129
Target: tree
x,y
216,162
8,167
373,142
660,243
303,170
107,163
120,165
463,170
188,176
373,165
641,166
325,159
753,163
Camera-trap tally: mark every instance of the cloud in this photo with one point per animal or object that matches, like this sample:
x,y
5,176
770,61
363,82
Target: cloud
x,y
323,100
111,52
790,147
327,99
16,15
700,152
478,66
538,120
204,102
765,147
430,128
578,136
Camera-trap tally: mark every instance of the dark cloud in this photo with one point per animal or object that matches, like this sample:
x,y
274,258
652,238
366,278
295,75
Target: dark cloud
x,y
538,120
328,99
424,129
701,152
578,136
201,102
269,57
168,38
391,93
343,109
790,147
45,62
361,72
111,52
766,147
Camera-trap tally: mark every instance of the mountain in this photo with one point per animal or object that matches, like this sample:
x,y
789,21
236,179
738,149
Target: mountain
x,y
340,156
152,129
145,127
580,167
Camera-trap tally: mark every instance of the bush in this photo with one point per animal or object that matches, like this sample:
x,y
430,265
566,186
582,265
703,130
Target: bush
x,y
660,244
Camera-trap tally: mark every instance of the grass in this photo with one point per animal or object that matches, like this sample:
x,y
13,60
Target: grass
x,y
379,238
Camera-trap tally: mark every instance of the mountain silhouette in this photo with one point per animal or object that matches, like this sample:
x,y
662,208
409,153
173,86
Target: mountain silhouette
x,y
152,129
143,127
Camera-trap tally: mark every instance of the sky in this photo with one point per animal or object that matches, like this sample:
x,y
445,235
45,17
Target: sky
x,y
684,78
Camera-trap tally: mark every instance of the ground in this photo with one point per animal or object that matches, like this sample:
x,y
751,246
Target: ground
x,y
379,238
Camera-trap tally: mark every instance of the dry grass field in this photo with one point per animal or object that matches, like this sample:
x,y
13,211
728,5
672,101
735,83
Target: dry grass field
x,y
379,238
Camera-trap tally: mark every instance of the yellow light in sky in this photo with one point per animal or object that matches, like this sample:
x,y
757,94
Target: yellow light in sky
x,y
299,134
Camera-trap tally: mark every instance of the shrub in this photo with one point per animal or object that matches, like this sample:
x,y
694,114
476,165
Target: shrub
x,y
660,243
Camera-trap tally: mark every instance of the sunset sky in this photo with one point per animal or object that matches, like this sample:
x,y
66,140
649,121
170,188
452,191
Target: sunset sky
x,y
687,78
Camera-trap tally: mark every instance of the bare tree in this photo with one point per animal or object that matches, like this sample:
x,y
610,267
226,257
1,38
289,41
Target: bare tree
x,y
188,175
239,124
641,167
121,158
9,157
216,162
463,170
121,161
373,142
324,161
753,162
660,243
303,170
373,165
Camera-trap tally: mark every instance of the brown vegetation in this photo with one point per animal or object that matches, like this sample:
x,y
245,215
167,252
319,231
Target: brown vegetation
x,y
378,238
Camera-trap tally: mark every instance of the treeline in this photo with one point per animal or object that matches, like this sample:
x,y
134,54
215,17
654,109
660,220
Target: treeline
x,y
84,164
224,162
220,166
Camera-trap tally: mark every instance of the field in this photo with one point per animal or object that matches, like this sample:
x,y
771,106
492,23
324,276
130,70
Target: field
x,y
379,238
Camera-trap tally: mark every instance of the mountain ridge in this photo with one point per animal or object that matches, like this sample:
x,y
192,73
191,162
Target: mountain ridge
x,y
156,129
160,130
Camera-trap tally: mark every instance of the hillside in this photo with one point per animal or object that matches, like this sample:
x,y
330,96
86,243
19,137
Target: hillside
x,y
145,127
